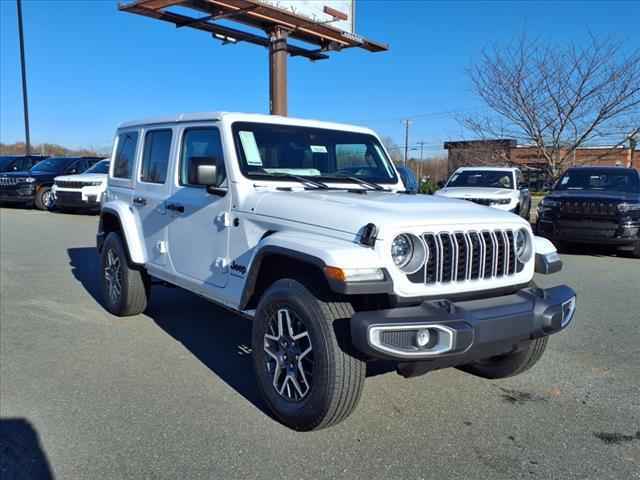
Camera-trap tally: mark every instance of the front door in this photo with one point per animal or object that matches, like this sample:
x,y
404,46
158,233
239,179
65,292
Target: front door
x,y
198,229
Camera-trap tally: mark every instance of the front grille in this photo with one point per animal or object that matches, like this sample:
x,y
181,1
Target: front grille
x,y
8,181
71,184
588,208
474,255
481,201
69,196
587,232
398,338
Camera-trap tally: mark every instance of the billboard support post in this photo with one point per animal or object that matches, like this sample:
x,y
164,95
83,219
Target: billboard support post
x,y
25,102
278,71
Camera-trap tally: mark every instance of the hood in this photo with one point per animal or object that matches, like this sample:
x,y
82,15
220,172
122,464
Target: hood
x,y
84,177
594,195
474,192
39,176
349,212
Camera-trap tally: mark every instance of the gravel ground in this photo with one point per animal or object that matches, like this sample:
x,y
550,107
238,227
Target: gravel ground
x,y
171,394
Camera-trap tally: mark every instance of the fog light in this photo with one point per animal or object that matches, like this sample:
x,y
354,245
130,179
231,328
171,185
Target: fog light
x,y
568,309
422,338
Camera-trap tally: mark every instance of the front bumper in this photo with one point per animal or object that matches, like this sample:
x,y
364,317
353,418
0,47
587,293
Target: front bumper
x,y
603,231
465,331
83,198
24,193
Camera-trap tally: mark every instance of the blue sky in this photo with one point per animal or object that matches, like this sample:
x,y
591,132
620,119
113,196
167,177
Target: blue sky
x,y
91,67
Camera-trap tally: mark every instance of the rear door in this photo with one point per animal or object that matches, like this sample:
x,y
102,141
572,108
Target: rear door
x,y
122,168
152,190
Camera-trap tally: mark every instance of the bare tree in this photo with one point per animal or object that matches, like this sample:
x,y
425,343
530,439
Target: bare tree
x,y
395,151
557,98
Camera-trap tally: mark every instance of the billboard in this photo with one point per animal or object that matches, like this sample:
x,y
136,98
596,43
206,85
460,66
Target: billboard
x,y
315,11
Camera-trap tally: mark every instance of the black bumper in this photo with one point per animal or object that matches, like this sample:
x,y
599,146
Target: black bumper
x,y
613,231
470,330
18,194
74,200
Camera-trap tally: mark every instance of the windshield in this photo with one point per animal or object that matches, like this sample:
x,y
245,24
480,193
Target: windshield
x,y
53,165
268,150
481,178
622,181
100,167
5,161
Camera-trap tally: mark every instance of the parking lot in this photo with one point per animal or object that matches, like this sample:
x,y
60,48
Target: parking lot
x,y
171,393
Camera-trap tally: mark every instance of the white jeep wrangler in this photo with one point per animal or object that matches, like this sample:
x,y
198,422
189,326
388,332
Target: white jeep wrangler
x,y
305,227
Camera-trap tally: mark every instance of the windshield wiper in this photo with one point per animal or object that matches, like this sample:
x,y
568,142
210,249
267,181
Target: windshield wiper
x,y
298,178
359,181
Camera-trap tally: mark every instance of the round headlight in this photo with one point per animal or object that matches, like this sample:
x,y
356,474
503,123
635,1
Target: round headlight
x,y
521,243
401,250
408,253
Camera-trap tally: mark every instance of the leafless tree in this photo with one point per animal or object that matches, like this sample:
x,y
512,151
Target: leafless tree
x,y
395,151
557,98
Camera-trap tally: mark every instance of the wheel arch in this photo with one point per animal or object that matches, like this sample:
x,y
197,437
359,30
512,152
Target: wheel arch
x,y
118,219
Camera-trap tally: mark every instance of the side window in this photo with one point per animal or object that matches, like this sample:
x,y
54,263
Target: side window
x,y
155,159
125,156
24,164
204,144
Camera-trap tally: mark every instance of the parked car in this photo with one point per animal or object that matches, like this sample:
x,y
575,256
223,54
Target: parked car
x,y
82,190
19,163
34,185
501,188
408,179
597,205
262,215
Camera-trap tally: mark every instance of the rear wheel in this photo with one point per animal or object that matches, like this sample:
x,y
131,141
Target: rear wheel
x,y
125,287
305,364
43,198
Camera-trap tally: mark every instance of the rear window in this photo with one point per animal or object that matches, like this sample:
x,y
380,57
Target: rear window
x,y
125,155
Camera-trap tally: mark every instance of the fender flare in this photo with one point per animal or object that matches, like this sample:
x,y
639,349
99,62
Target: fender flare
x,y
129,227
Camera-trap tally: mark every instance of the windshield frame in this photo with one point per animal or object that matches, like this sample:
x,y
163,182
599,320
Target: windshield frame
x,y
62,162
508,173
635,186
393,179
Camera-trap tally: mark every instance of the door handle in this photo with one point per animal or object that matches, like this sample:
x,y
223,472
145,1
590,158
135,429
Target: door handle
x,y
174,207
140,201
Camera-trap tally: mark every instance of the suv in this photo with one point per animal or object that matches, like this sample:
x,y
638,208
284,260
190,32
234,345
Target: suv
x,y
598,205
34,185
305,227
501,188
19,163
82,190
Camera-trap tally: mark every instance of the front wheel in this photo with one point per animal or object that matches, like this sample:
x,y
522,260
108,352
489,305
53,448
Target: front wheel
x,y
305,364
508,365
43,198
125,287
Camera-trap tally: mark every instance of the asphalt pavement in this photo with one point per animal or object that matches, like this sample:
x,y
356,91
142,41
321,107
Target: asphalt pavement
x,y
171,393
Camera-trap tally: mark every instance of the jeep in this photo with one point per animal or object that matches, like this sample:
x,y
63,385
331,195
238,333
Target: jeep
x,y
503,188
306,228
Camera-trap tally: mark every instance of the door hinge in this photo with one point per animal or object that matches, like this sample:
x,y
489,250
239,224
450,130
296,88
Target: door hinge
x,y
161,247
221,263
223,219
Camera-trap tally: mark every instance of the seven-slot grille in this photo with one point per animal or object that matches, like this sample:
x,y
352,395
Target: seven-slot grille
x,y
72,184
588,208
8,181
474,255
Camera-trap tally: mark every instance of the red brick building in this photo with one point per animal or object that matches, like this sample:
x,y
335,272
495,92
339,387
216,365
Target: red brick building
x,y
506,152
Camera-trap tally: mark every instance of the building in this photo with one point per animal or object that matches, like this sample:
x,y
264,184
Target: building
x,y
507,152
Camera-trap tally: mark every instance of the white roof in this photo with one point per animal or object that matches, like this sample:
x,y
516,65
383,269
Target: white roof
x,y
497,169
247,117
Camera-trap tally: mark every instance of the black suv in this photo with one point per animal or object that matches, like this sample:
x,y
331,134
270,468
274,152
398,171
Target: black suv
x,y
34,185
599,205
19,163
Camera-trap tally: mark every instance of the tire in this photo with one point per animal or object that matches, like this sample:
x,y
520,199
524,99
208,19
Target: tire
x,y
509,365
635,253
43,198
134,285
332,378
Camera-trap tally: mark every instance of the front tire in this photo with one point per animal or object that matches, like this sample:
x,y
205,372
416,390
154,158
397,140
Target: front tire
x,y
125,288
43,198
305,364
509,365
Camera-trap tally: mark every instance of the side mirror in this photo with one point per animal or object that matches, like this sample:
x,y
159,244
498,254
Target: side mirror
x,y
206,171
523,185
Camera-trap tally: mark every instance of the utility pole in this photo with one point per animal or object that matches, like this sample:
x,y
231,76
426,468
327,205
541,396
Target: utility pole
x,y
420,165
278,71
24,81
406,140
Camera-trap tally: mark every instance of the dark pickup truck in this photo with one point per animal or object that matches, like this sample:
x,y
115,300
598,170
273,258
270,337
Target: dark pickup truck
x,y
597,205
34,186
